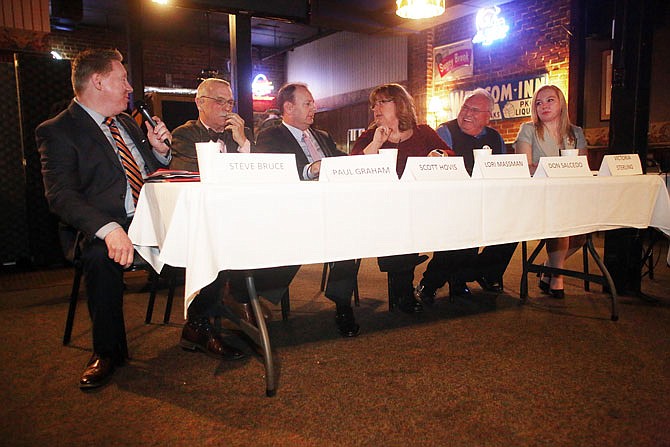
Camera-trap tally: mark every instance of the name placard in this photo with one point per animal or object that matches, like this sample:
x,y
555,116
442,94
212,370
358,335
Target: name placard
x,y
501,166
249,168
358,168
620,164
563,167
435,168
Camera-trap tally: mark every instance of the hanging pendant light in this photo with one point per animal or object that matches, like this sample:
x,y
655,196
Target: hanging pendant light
x,y
419,9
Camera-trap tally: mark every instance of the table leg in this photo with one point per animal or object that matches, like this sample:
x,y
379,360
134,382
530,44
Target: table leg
x,y
606,274
262,336
605,279
523,287
528,267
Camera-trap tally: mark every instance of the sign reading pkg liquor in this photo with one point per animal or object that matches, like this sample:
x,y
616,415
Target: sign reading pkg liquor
x,y
512,97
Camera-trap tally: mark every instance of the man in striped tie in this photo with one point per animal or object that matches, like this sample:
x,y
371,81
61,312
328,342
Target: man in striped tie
x,y
94,158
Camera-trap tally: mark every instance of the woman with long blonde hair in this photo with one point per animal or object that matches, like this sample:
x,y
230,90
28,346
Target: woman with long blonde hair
x,y
548,133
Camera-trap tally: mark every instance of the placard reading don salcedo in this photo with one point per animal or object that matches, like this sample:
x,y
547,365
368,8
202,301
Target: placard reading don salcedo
x,y
563,167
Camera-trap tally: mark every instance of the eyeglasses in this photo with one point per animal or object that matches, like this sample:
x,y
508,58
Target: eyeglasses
x,y
465,108
381,102
221,102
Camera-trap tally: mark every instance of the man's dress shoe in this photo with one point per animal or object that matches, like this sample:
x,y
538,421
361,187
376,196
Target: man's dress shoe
x,y
459,289
201,336
97,373
244,311
423,296
490,286
410,305
346,323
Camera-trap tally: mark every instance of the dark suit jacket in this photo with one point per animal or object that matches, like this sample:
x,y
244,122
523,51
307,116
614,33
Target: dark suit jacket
x,y
84,181
184,138
280,140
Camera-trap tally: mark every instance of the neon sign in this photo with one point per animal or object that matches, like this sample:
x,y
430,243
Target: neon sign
x,y
490,27
261,87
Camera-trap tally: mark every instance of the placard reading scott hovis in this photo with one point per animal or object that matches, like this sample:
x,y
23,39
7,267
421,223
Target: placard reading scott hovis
x,y
435,168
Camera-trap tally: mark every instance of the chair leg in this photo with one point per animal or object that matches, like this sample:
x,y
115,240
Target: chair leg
x,y
153,280
286,305
392,297
74,295
585,258
324,276
356,295
172,283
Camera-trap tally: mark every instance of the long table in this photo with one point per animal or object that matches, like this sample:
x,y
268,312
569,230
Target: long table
x,y
207,228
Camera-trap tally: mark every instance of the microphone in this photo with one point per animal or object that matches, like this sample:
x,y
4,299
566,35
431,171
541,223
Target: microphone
x,y
142,107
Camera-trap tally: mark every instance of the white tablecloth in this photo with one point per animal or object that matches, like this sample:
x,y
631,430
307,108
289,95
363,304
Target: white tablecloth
x,y
208,228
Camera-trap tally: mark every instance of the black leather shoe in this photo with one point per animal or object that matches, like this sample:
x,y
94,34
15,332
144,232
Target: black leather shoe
x,y
346,323
559,294
409,305
544,286
459,289
422,295
97,373
490,286
201,336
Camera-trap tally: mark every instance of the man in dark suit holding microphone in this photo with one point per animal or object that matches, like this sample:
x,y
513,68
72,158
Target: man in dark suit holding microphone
x,y
94,159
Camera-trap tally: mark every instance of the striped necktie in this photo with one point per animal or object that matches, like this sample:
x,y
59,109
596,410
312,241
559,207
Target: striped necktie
x,y
129,164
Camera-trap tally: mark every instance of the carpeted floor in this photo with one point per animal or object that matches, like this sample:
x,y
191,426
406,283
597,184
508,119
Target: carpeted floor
x,y
479,372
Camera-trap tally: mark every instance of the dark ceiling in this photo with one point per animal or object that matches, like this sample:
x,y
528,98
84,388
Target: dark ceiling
x,y
207,20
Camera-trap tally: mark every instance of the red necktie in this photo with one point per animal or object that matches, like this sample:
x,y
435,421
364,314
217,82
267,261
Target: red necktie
x,y
311,147
132,170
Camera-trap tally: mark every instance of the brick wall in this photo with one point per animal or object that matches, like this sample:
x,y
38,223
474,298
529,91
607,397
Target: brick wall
x,y
537,42
166,63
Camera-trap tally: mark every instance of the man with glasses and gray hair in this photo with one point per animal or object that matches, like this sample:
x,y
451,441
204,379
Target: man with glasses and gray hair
x,y
216,122
468,131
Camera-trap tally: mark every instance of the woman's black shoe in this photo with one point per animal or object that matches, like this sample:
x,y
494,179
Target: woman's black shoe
x,y
544,287
559,294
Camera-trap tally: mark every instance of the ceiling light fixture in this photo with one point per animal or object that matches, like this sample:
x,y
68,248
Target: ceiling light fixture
x,y
419,9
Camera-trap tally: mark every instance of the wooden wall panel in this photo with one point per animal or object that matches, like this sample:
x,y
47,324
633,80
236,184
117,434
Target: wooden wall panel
x,y
31,15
